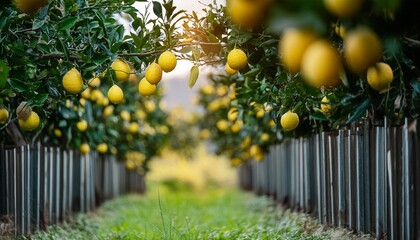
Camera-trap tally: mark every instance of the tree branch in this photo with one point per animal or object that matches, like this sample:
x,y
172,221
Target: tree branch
x,y
57,55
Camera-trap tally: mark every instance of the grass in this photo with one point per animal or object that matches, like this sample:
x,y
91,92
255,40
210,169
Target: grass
x,y
166,214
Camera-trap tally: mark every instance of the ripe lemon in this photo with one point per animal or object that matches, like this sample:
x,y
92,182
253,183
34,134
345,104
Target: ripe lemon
x,y
289,121
154,73
57,132
133,127
229,70
146,89
84,148
237,59
272,123
380,76
362,49
321,65
115,94
31,123
108,111
236,127
133,77
94,82
233,114
30,6
102,148
82,125
72,81
265,137
343,8
204,134
4,115
167,61
246,14
235,162
222,125
293,45
125,115
86,93
121,69
256,152
326,106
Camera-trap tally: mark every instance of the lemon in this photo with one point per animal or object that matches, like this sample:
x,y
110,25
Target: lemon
x,y
133,127
247,14
343,8
208,89
4,115
222,125
289,121
133,77
229,70
340,30
154,73
84,148
321,65
30,6
96,95
115,94
94,82
237,59
86,93
167,61
265,137
272,123
121,69
125,115
380,76
72,81
146,89
204,134
236,127
82,125
260,113
293,45
102,148
235,162
256,152
326,106
108,111
57,132
246,142
233,114
362,49
31,123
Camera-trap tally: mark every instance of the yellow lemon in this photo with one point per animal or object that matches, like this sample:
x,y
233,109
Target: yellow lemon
x,y
154,73
146,89
289,121
167,61
72,81
222,125
237,59
235,162
82,125
86,93
94,82
380,76
115,94
30,6
233,114
265,137
272,123
57,132
102,148
246,142
4,115
292,47
340,30
31,123
326,106
208,89
247,14
108,111
229,70
84,148
343,8
125,115
121,69
204,134
321,65
256,152
260,113
236,127
133,127
362,49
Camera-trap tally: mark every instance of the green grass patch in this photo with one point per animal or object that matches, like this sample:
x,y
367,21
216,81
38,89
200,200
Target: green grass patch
x,y
166,214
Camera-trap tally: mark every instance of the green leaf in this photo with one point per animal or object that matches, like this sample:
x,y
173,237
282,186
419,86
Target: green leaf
x,y
360,111
319,116
39,100
157,9
193,76
4,73
18,85
416,86
67,23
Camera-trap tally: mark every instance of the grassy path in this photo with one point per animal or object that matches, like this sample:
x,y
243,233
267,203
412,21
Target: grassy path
x,y
165,214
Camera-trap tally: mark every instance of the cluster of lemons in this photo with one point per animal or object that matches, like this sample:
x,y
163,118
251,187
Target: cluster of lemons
x,y
320,63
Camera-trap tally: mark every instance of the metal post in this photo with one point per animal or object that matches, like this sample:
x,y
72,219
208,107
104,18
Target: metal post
x,y
341,178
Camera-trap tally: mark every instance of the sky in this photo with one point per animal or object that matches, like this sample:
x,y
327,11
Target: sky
x,y
175,83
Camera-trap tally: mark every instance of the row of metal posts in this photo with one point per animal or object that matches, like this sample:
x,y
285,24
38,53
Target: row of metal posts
x,y
44,185
365,177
